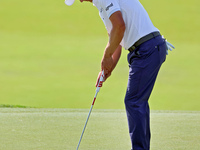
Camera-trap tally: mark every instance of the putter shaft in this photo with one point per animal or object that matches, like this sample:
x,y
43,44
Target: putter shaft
x,y
85,124
97,90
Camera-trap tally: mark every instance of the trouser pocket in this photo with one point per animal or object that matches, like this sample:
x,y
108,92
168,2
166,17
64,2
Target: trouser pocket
x,y
162,52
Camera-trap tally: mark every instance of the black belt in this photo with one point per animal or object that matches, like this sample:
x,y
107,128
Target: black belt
x,y
143,39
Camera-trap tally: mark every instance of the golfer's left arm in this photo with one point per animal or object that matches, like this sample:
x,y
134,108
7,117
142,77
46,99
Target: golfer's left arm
x,y
116,35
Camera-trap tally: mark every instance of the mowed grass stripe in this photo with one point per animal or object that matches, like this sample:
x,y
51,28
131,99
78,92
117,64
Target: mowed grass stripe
x,y
53,129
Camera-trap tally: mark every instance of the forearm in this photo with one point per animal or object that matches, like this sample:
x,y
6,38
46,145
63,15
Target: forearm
x,y
115,38
112,51
116,55
112,61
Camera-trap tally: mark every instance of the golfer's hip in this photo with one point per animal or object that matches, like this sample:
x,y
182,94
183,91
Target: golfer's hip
x,y
146,49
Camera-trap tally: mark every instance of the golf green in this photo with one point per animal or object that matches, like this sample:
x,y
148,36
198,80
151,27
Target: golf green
x,y
53,129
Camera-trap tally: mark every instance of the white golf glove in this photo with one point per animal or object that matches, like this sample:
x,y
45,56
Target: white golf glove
x,y
169,47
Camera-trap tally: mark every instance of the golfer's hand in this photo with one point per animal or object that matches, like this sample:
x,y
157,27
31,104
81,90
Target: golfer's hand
x,y
107,66
169,47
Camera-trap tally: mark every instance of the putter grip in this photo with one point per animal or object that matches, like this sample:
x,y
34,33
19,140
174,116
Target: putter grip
x,y
101,79
100,83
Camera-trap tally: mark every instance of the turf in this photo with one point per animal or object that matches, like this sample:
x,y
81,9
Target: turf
x,y
53,129
50,56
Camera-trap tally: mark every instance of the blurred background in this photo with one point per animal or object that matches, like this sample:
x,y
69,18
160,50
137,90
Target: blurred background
x,y
50,56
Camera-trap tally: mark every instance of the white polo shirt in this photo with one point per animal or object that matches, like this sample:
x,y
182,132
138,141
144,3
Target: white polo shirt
x,y
137,21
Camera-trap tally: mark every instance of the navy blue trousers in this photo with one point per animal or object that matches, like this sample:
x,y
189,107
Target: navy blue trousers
x,y
144,64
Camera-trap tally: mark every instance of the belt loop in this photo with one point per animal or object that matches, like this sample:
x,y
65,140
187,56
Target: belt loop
x,y
153,35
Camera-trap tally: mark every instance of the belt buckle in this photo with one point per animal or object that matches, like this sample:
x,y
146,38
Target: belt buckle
x,y
132,48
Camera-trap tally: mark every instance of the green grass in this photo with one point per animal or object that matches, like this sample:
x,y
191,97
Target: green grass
x,y
53,129
50,56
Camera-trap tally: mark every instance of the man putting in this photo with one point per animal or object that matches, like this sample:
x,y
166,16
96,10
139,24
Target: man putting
x,y
129,25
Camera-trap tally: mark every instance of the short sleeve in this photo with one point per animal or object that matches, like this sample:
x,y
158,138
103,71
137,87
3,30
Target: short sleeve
x,y
110,6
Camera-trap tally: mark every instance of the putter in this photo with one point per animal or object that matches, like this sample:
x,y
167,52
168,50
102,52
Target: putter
x,y
100,82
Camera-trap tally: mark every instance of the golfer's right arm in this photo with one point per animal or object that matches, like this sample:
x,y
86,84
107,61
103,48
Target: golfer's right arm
x,y
115,37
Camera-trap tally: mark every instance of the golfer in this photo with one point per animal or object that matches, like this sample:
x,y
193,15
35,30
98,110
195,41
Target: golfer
x,y
129,26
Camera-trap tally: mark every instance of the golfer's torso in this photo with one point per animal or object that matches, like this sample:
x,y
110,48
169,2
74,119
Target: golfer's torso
x,y
138,23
